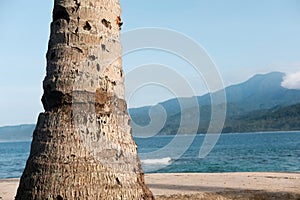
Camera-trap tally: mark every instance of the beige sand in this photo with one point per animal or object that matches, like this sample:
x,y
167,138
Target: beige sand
x,y
8,188
208,186
165,184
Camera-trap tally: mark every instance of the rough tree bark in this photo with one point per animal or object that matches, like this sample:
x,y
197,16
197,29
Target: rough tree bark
x,y
82,146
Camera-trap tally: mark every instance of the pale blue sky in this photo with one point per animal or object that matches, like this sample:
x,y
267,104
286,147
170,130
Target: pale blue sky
x,y
242,37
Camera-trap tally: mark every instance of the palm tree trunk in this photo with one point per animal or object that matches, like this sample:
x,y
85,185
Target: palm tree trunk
x,y
82,146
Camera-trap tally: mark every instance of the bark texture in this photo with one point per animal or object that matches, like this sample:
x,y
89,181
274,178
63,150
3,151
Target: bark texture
x,y
82,146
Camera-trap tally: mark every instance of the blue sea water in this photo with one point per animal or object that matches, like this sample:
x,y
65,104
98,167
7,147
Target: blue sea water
x,y
245,152
13,156
251,152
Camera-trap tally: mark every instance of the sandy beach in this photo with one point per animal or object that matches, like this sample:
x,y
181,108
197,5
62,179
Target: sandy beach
x,y
240,185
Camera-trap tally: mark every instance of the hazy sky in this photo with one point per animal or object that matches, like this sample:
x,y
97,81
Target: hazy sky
x,y
241,37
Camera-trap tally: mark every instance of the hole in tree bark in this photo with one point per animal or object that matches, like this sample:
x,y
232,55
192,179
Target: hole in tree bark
x,y
119,22
118,181
77,5
92,57
87,26
59,197
103,47
106,23
60,12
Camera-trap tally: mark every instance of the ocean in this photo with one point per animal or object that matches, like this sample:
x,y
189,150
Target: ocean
x,y
238,152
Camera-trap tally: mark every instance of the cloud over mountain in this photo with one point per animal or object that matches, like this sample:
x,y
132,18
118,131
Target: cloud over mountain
x,y
291,81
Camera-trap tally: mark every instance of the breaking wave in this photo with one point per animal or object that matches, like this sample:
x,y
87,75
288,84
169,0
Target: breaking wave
x,y
159,161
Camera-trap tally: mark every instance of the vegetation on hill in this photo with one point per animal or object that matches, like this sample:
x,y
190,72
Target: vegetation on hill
x,y
279,118
276,119
259,104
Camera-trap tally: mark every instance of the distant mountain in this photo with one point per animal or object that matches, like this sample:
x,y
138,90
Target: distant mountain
x,y
16,133
261,92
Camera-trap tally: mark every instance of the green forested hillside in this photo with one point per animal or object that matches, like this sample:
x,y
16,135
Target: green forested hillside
x,y
285,118
275,119
258,104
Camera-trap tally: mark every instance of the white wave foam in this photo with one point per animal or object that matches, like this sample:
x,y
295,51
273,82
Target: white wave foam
x,y
159,161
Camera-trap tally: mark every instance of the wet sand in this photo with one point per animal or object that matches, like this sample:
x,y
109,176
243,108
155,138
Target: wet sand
x,y
240,185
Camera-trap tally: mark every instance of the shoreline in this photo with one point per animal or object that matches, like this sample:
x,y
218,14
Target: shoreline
x,y
182,186
201,134
255,132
